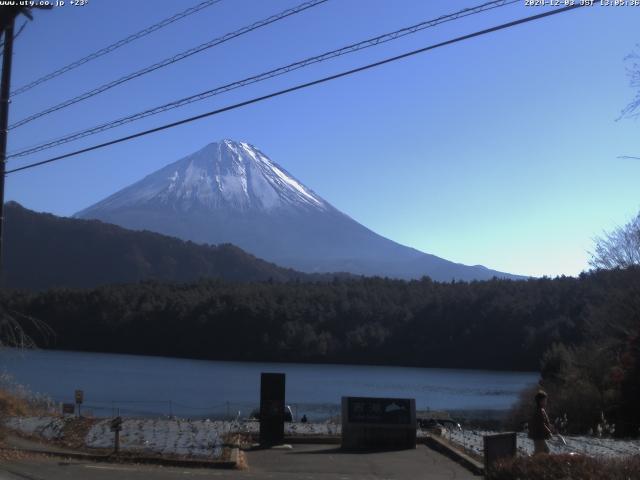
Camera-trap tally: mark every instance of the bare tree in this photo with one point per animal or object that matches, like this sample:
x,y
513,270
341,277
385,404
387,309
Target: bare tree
x,y
632,110
12,333
619,248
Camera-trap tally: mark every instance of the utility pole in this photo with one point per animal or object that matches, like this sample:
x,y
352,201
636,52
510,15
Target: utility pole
x,y
7,22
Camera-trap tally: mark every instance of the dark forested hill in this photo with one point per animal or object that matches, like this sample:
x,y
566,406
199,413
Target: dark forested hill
x,y
43,251
498,324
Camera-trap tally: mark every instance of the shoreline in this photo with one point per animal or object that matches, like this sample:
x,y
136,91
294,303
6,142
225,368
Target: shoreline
x,y
279,362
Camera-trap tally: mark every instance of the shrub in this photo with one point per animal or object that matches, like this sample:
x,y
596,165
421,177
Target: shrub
x,y
12,405
15,400
564,467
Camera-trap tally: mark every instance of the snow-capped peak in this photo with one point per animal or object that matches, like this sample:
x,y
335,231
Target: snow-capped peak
x,y
223,175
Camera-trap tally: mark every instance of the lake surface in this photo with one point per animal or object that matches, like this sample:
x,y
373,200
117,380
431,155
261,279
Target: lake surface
x,y
151,386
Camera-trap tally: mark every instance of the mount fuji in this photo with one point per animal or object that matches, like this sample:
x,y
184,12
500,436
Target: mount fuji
x,y
231,192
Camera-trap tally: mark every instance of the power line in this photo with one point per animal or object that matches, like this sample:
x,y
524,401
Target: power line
x,y
264,76
116,45
169,61
301,86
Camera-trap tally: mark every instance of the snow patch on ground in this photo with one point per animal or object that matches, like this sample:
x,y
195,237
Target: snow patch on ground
x,y
312,429
591,446
205,438
49,428
293,429
197,438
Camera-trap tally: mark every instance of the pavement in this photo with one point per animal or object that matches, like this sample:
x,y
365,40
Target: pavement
x,y
302,461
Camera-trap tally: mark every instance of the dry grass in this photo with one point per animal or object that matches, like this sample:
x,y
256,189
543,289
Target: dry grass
x,y
12,405
566,467
14,455
16,401
75,431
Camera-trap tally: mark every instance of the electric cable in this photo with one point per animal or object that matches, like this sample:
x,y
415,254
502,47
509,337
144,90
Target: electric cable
x,y
168,61
115,46
380,39
301,86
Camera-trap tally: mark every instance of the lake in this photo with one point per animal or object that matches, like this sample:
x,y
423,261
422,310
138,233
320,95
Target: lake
x,y
151,386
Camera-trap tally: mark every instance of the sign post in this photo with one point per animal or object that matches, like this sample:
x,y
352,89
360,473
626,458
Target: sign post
x,y
79,395
272,408
116,427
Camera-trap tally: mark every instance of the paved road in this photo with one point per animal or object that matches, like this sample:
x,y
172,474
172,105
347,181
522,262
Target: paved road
x,y
307,462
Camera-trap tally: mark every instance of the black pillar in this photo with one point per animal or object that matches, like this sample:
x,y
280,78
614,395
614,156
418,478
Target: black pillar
x,y
272,408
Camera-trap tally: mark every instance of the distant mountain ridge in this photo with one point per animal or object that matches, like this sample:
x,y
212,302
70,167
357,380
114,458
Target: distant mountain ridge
x,y
231,192
44,251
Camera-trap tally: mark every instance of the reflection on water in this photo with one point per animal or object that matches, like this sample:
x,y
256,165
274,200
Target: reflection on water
x,y
151,386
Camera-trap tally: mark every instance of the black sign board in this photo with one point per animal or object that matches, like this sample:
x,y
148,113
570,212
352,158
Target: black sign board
x,y
68,408
394,411
272,408
116,424
378,423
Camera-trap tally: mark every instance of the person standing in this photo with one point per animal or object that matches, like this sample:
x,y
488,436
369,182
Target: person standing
x,y
540,427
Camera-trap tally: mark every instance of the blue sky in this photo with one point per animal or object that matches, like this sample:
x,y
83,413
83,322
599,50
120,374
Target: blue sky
x,y
500,151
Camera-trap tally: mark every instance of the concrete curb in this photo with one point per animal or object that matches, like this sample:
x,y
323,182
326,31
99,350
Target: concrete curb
x,y
454,454
128,458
